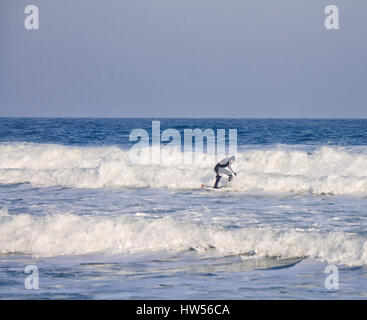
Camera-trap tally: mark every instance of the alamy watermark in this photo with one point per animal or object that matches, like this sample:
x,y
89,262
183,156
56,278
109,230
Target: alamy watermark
x,y
31,281
31,21
332,280
171,147
332,20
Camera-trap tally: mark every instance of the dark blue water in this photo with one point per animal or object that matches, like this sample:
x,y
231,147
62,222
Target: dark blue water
x,y
250,131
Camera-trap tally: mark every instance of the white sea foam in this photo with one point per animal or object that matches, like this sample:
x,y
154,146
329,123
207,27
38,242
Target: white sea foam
x,y
325,170
71,234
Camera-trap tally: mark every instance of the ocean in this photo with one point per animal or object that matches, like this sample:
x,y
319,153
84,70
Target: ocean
x,y
91,224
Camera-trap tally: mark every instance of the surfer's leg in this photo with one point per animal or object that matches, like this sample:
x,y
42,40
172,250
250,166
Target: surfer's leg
x,y
226,172
218,177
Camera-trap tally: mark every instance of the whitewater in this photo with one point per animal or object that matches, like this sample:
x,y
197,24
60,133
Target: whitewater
x,y
324,170
70,234
98,225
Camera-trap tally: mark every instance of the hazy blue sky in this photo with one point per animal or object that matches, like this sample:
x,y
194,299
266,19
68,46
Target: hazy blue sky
x,y
183,58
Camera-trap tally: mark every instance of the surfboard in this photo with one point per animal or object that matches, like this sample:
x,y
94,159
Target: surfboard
x,y
203,187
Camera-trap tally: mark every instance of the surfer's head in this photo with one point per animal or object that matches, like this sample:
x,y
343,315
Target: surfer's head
x,y
232,159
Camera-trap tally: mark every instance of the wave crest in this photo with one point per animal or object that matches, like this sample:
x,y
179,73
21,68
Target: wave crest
x,y
326,170
70,234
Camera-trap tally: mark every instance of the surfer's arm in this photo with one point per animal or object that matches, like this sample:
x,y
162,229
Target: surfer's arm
x,y
230,168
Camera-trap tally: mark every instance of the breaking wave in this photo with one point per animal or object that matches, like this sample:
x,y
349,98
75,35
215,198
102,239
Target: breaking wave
x,y
70,234
325,170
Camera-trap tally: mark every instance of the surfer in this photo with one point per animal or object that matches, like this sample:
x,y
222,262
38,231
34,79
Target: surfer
x,y
222,168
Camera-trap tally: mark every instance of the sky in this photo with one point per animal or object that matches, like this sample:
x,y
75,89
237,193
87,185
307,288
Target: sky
x,y
183,58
